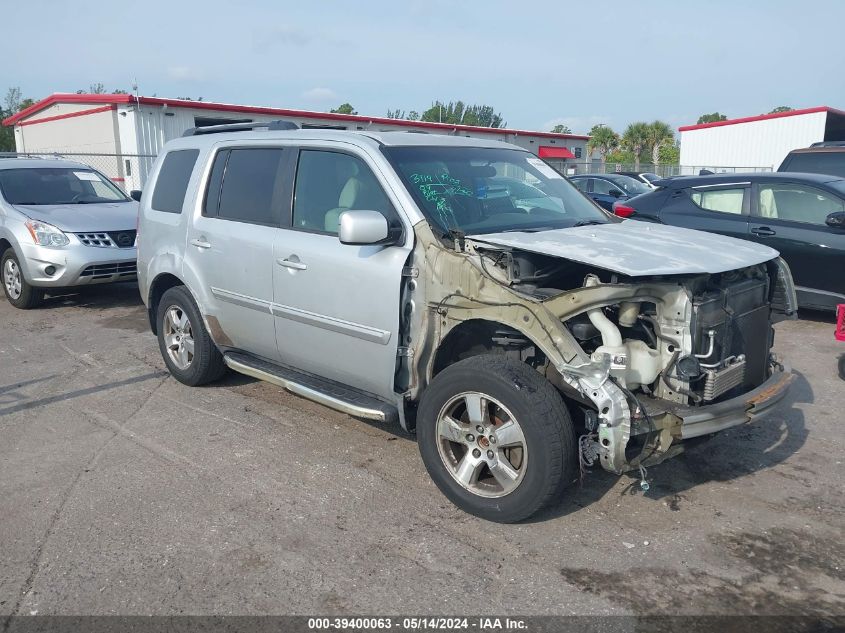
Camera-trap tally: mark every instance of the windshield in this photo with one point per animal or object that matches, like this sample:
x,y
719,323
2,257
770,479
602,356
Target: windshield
x,y
488,190
650,177
629,185
57,185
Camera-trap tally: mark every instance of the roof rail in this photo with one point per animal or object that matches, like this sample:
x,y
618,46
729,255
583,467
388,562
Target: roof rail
x,y
829,144
279,124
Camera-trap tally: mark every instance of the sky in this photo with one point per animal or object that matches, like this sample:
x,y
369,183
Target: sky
x,y
538,63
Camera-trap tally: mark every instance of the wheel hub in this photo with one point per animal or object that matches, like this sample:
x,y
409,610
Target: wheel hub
x,y
481,444
12,279
178,337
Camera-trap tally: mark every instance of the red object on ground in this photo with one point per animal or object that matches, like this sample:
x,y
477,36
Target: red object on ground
x,y
840,322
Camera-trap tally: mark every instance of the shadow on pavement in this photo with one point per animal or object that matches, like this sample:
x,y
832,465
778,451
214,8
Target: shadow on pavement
x,y
103,296
32,404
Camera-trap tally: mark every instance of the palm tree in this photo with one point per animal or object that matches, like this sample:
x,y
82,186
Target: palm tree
x,y
635,139
603,140
659,134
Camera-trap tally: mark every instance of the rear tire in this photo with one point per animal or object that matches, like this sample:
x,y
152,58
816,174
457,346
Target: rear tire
x,y
482,463
186,347
17,289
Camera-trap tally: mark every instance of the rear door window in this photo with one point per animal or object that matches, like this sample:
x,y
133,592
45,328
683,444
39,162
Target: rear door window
x,y
726,200
604,187
172,182
822,162
248,185
581,184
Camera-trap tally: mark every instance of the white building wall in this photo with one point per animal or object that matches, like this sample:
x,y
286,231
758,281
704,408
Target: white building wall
x,y
134,134
86,133
762,143
156,125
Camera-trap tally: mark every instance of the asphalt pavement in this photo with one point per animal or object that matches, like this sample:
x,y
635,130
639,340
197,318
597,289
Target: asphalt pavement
x,y
124,492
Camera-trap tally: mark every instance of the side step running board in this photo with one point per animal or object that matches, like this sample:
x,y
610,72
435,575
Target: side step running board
x,y
326,392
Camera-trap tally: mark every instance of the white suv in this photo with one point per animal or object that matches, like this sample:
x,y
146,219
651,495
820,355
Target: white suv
x,y
463,288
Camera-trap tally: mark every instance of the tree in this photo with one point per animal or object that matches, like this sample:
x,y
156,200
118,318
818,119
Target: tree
x,y
780,109
459,113
97,89
561,129
344,108
602,140
636,138
13,100
657,135
413,115
14,104
670,154
711,118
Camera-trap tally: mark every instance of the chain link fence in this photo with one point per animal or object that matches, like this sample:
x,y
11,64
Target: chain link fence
x,y
128,171
664,171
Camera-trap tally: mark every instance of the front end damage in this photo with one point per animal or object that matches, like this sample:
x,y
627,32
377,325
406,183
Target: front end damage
x,y
650,361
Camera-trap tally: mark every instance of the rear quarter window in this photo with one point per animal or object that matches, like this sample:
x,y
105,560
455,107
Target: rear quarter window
x,y
172,182
824,162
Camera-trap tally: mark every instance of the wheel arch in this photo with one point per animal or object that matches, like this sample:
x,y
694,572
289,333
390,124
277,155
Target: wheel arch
x,y
478,336
5,245
161,284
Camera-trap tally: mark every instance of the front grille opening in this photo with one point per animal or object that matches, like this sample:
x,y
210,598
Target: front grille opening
x,y
106,271
108,239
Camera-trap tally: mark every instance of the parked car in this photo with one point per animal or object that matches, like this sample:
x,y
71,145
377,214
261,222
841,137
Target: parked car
x,y
62,224
840,335
606,189
649,178
386,275
819,158
800,215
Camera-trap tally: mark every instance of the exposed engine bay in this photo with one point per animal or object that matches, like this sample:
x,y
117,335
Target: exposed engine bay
x,y
650,360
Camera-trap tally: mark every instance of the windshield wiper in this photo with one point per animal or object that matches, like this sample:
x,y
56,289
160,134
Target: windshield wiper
x,y
587,223
531,229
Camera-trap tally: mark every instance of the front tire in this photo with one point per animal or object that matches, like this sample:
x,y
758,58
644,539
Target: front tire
x,y
496,438
186,347
18,290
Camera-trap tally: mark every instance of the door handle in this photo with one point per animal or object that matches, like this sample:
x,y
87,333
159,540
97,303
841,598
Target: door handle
x,y
201,243
291,264
763,231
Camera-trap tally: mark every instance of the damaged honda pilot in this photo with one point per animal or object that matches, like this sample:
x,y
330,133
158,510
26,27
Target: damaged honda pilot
x,y
463,289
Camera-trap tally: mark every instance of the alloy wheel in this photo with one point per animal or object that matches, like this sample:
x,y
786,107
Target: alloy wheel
x,y
178,337
12,278
481,444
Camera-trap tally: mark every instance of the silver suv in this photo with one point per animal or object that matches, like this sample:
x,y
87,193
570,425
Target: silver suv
x,y
61,224
463,289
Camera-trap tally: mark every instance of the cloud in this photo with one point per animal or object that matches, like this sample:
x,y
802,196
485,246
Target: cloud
x,y
284,35
183,73
320,94
578,125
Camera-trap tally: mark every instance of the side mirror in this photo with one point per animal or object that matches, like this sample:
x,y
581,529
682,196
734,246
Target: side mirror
x,y
616,193
362,227
135,195
836,220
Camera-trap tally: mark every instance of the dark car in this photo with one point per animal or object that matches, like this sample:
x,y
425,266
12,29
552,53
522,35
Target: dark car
x,y
606,189
800,215
819,158
647,177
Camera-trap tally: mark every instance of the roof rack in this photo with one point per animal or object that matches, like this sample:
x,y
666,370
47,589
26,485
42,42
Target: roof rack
x,y
829,144
279,124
